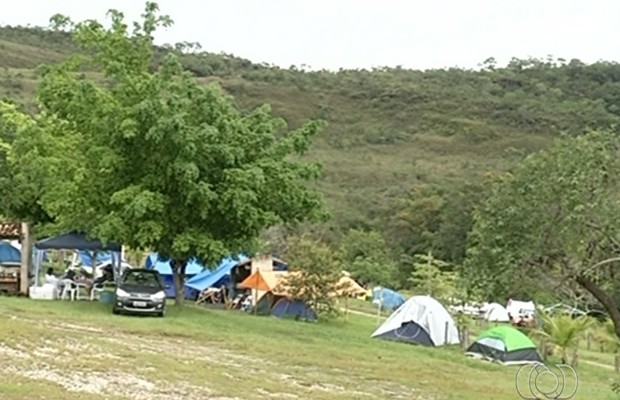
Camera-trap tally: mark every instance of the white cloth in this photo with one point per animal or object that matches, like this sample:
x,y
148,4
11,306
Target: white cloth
x,y
50,279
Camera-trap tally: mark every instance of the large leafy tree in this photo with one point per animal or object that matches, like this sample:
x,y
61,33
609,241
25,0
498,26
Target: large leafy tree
x,y
552,223
163,162
21,180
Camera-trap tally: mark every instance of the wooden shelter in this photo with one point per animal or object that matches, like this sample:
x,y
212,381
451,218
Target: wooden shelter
x,y
10,230
14,283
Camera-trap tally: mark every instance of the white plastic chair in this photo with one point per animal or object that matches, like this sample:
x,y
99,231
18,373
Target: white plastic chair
x,y
95,292
71,290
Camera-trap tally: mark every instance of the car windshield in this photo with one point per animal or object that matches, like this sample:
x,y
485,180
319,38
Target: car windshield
x,y
142,279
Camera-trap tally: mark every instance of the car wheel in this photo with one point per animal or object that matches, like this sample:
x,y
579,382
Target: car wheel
x,y
161,314
115,311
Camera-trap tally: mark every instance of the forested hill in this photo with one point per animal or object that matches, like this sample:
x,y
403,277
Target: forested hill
x,y
405,151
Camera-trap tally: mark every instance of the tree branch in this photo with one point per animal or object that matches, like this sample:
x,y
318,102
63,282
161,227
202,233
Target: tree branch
x,y
606,300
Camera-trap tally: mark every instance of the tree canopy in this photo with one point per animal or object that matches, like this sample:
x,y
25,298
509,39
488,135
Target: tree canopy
x,y
552,222
152,159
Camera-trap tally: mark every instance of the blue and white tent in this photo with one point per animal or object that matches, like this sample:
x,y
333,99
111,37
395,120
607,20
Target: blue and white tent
x,y
421,320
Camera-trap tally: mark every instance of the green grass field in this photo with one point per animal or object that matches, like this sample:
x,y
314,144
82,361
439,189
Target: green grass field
x,y
79,350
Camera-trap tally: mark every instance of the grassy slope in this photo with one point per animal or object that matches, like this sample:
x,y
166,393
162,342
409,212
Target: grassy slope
x,y
219,353
359,169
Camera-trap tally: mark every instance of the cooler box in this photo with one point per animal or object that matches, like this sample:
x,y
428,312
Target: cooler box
x,y
45,292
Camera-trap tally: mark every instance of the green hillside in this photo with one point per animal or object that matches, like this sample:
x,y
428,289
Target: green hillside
x,y
405,151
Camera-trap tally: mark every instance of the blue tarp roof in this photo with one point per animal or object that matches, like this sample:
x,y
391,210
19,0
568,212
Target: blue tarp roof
x,y
163,266
9,254
217,277
86,257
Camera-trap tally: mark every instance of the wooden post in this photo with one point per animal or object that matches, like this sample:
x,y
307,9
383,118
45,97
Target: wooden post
x,y
446,333
589,341
379,309
26,260
575,358
617,363
346,308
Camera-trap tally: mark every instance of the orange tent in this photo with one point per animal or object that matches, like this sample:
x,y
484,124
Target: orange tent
x,y
262,282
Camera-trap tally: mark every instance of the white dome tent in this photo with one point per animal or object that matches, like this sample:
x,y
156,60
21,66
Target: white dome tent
x,y
495,312
422,320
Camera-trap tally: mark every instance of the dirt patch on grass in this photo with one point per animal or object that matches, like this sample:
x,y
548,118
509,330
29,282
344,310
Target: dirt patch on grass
x,y
110,368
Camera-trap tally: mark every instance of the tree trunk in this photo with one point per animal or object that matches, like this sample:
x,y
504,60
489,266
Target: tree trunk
x,y
599,294
26,260
178,277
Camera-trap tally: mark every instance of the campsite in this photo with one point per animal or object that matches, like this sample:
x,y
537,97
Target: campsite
x,y
181,224
206,354
271,349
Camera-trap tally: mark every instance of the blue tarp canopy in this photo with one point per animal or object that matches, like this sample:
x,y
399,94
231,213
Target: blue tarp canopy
x,y
220,276
163,266
9,254
389,298
86,257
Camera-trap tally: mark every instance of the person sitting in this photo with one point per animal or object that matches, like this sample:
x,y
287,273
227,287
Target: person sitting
x,y
69,275
106,276
50,278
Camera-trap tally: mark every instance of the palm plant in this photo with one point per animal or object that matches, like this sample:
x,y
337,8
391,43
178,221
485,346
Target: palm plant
x,y
610,336
562,332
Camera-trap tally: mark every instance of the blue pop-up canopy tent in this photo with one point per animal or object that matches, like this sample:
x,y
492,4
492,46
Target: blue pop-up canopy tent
x,y
9,255
76,241
162,266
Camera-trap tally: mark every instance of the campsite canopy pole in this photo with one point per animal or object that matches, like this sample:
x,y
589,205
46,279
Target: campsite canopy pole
x,y
37,266
94,265
346,307
255,300
379,309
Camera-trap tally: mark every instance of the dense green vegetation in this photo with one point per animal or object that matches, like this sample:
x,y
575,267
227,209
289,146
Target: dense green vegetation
x,y
463,185
406,154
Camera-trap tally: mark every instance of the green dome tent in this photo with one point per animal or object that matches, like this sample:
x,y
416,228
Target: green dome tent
x,y
506,345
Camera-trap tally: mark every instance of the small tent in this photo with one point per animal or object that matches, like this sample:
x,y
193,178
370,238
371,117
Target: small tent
x,y
387,298
422,320
288,308
496,313
506,345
